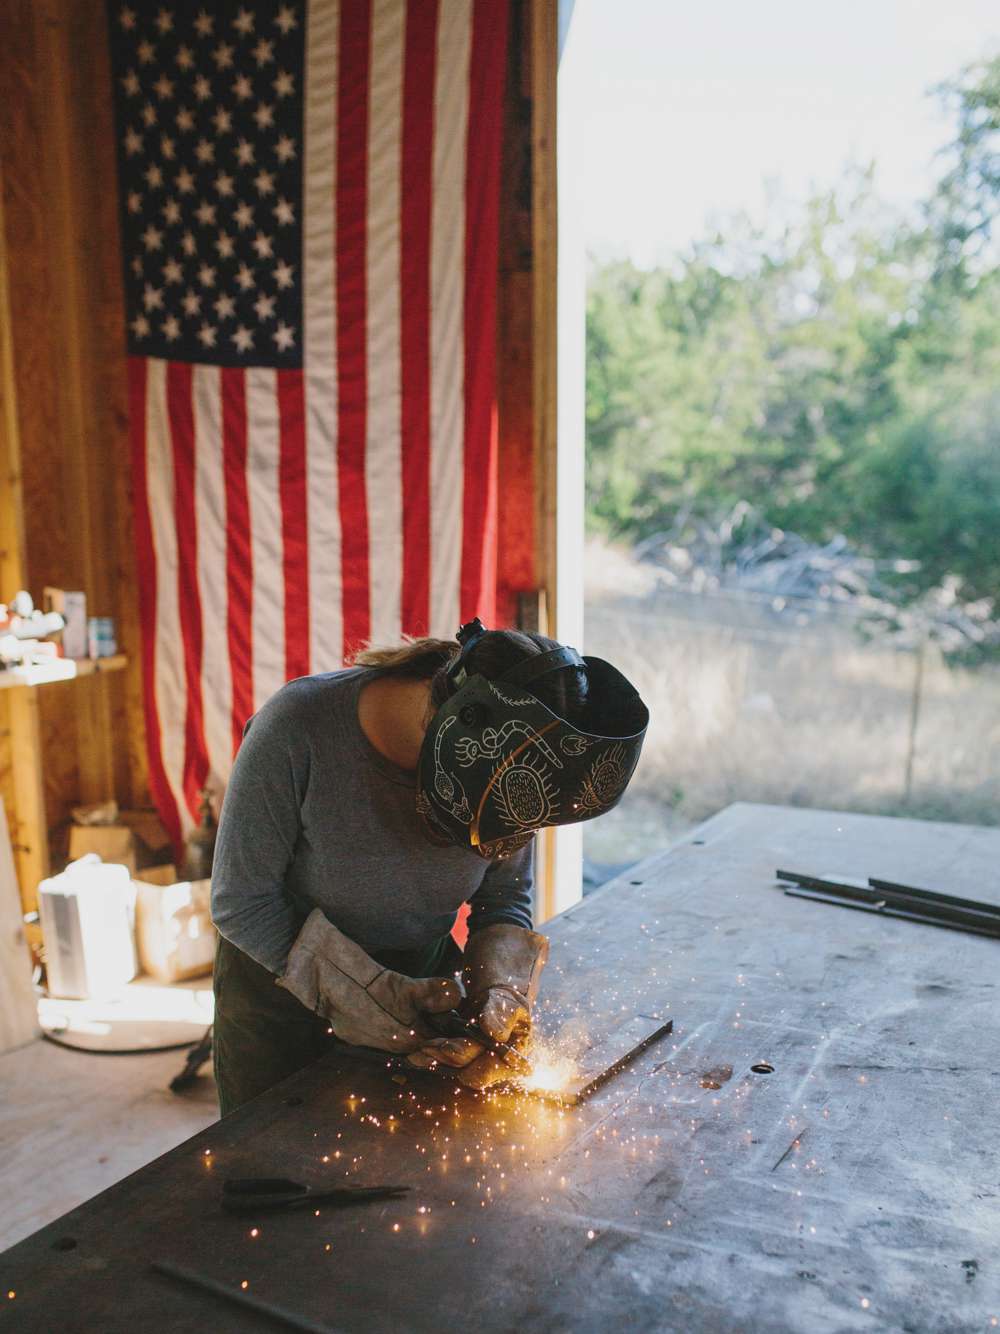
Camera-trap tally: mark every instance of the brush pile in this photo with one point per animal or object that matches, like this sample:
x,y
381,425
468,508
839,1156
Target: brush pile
x,y
742,557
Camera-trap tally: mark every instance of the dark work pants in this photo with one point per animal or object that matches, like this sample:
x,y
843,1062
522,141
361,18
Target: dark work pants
x,y
262,1034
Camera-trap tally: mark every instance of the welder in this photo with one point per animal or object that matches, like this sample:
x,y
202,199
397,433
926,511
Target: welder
x,y
365,807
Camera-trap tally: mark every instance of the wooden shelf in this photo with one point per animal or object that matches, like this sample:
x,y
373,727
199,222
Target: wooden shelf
x,y
61,669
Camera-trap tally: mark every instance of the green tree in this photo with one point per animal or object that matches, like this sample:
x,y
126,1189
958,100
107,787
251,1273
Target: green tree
x,y
839,369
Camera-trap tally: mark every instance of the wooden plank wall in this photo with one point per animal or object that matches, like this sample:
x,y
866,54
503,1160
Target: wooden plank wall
x,y
19,726
68,379
68,374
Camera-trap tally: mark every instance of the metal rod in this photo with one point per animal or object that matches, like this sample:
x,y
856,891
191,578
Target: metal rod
x,y
573,1099
924,904
976,905
885,909
625,1060
240,1298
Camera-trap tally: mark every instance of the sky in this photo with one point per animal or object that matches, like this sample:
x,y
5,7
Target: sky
x,y
689,109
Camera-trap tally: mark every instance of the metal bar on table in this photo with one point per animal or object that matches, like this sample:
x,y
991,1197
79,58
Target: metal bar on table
x,y
893,903
573,1097
599,1080
932,896
240,1298
928,903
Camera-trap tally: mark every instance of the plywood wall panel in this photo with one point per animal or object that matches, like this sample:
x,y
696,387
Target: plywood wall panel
x,y
116,704
32,294
69,371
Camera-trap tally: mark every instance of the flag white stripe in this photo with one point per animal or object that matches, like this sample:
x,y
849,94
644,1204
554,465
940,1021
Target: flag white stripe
x,y
451,111
169,682
263,487
320,320
383,466
210,519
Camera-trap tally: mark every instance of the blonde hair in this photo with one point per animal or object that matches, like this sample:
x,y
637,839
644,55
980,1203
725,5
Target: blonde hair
x,y
564,691
419,658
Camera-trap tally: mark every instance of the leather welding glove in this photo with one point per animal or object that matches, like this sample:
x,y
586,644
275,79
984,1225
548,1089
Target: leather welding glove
x,y
364,1003
502,969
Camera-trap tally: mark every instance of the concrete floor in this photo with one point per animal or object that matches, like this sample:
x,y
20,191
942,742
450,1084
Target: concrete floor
x,y
73,1123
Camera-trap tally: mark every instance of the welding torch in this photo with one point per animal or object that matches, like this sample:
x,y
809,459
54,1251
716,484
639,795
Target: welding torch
x,y
453,1024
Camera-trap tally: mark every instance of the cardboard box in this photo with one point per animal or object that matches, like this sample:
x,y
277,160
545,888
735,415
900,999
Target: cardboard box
x,y
137,839
152,840
173,925
112,843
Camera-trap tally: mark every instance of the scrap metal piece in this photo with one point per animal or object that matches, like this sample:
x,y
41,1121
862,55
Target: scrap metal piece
x,y
279,1314
605,1060
890,900
253,1195
933,896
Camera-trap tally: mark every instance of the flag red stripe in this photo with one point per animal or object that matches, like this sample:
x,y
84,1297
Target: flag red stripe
x,y
294,520
487,66
239,553
145,559
415,309
180,412
278,497
352,315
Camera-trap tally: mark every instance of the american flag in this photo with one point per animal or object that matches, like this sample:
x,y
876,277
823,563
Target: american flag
x,y
309,203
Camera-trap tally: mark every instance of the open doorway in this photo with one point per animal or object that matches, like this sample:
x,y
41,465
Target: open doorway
x,y
793,466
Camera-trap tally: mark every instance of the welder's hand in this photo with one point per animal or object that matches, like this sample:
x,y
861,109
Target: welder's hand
x,y
502,969
364,1003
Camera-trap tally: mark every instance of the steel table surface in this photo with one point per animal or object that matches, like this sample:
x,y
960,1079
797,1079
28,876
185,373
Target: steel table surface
x,y
856,1186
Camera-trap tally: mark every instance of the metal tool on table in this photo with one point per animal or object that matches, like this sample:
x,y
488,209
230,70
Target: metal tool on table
x,y
894,900
454,1024
255,1195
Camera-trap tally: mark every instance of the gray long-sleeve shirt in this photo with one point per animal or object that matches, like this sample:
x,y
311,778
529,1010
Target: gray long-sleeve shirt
x,y
315,817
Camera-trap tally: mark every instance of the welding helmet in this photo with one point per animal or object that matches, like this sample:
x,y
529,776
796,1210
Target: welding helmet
x,y
497,764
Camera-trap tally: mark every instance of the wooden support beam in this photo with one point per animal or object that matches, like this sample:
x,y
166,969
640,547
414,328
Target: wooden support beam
x,y
542,69
18,1007
29,826
12,565
519,578
544,66
85,492
24,789
64,388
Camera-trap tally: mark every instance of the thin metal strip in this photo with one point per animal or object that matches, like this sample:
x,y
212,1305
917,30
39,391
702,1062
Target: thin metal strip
x,y
932,896
883,908
918,904
598,1070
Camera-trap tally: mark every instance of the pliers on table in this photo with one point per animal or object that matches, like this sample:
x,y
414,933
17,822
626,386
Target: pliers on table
x,y
254,1195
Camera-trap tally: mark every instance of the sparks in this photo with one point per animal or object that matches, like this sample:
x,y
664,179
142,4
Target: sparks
x,y
550,1072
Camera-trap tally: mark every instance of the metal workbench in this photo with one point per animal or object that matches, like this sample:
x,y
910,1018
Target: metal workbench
x,y
854,1186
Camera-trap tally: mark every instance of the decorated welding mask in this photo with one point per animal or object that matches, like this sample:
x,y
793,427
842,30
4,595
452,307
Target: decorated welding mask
x,y
497,764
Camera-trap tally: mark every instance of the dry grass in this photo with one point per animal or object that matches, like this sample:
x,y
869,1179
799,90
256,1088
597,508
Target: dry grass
x,y
747,708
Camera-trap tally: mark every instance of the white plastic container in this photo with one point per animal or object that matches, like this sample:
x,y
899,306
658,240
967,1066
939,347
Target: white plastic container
x,y
86,916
